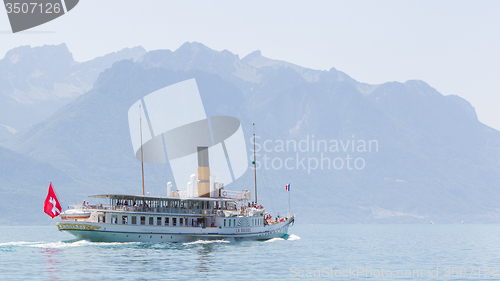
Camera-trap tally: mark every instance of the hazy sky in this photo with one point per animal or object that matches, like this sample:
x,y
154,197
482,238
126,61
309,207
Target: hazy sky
x,y
452,45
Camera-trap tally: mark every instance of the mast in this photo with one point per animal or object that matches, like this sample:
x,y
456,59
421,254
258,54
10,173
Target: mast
x,y
142,158
288,200
254,164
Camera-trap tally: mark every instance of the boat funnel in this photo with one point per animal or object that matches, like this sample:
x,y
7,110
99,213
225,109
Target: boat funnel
x,y
203,172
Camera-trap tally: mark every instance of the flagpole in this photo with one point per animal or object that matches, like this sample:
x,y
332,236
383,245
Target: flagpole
x,y
254,164
288,200
142,157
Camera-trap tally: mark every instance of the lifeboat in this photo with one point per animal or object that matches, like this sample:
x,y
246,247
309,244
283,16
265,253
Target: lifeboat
x,y
74,214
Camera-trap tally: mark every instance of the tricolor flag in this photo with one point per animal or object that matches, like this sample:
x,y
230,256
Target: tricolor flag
x,y
287,187
52,206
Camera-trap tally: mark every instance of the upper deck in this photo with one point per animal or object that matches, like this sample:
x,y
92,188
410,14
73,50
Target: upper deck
x,y
237,203
227,196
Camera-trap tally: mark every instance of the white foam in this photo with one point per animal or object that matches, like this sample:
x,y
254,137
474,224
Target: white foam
x,y
61,244
205,242
58,244
293,237
274,240
19,243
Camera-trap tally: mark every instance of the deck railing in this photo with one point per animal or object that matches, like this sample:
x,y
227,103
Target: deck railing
x,y
124,208
142,209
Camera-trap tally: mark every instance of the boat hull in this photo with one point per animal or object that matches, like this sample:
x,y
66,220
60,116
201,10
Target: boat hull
x,y
99,232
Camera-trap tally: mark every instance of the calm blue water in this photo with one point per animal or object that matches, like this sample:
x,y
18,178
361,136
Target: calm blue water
x,y
43,253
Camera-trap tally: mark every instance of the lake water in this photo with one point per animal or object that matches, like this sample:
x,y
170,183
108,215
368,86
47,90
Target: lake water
x,y
344,252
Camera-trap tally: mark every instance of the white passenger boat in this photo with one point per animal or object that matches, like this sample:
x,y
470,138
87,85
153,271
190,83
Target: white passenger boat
x,y
210,212
129,218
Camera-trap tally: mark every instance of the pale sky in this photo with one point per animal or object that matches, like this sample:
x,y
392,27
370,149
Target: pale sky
x,y
452,45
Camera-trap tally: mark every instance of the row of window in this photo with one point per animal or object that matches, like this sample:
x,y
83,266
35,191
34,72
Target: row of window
x,y
232,222
169,204
171,221
141,220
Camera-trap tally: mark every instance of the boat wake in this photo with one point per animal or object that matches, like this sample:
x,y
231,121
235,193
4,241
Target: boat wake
x,y
205,242
291,237
6,246
42,244
274,240
59,244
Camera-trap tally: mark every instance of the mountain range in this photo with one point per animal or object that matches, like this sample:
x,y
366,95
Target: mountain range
x,y
425,156
36,82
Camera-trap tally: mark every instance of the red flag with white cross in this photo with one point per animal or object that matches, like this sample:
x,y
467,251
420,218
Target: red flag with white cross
x,y
52,206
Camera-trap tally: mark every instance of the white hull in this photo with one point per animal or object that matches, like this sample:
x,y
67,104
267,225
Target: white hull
x,y
100,232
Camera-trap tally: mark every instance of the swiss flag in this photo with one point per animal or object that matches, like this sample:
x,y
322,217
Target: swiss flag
x,y
52,206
